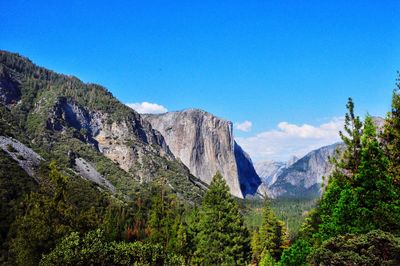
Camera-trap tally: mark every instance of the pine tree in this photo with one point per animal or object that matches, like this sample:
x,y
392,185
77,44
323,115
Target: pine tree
x,y
273,237
338,190
368,200
256,248
377,201
352,138
222,237
391,135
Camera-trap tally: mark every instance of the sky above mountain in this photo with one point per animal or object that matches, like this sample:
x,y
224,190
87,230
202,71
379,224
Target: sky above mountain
x,y
280,70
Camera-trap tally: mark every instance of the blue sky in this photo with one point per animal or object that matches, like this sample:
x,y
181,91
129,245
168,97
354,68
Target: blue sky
x,y
285,66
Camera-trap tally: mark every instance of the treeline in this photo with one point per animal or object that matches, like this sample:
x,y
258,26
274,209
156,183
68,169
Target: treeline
x,y
357,220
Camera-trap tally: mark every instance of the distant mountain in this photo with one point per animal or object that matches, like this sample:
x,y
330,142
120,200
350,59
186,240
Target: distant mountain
x,y
205,144
303,178
268,171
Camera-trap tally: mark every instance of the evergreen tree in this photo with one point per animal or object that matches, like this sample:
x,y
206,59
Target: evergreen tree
x,y
272,235
391,135
352,138
49,215
369,200
222,237
339,192
256,248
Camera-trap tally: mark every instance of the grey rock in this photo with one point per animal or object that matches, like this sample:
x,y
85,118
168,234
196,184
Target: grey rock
x,y
87,171
304,178
205,144
127,142
269,171
25,156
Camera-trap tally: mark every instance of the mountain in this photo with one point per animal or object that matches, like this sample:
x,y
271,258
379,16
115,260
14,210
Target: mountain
x,y
268,171
205,144
303,178
86,130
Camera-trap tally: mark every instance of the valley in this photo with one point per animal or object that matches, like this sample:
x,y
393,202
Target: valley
x,y
78,165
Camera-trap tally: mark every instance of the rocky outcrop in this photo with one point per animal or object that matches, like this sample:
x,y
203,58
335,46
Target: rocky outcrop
x,y
87,171
127,142
303,179
23,155
205,144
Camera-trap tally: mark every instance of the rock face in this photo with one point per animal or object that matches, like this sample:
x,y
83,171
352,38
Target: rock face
x,y
86,170
23,155
303,178
205,144
269,171
126,142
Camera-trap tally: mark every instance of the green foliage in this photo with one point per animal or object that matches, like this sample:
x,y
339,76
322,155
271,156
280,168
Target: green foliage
x,y
297,254
94,249
362,197
48,215
391,135
365,201
292,211
352,138
14,185
222,237
373,248
271,238
267,260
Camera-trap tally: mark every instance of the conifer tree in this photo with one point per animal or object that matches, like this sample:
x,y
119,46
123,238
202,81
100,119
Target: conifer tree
x,y
222,237
391,135
272,233
352,138
368,200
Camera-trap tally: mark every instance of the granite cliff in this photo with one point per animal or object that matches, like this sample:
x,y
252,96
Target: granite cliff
x,y
205,144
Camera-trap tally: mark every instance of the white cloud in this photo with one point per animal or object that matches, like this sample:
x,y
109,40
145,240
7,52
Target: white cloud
x,y
290,139
147,108
245,126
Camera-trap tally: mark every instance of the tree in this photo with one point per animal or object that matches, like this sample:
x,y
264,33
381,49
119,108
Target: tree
x,y
48,216
391,135
374,248
222,237
271,238
369,201
297,254
352,138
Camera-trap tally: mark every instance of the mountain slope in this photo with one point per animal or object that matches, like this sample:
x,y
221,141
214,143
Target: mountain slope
x,y
59,115
205,144
303,178
269,171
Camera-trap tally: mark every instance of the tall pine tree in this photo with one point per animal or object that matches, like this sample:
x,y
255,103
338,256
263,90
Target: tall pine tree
x,y
271,238
222,237
391,135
